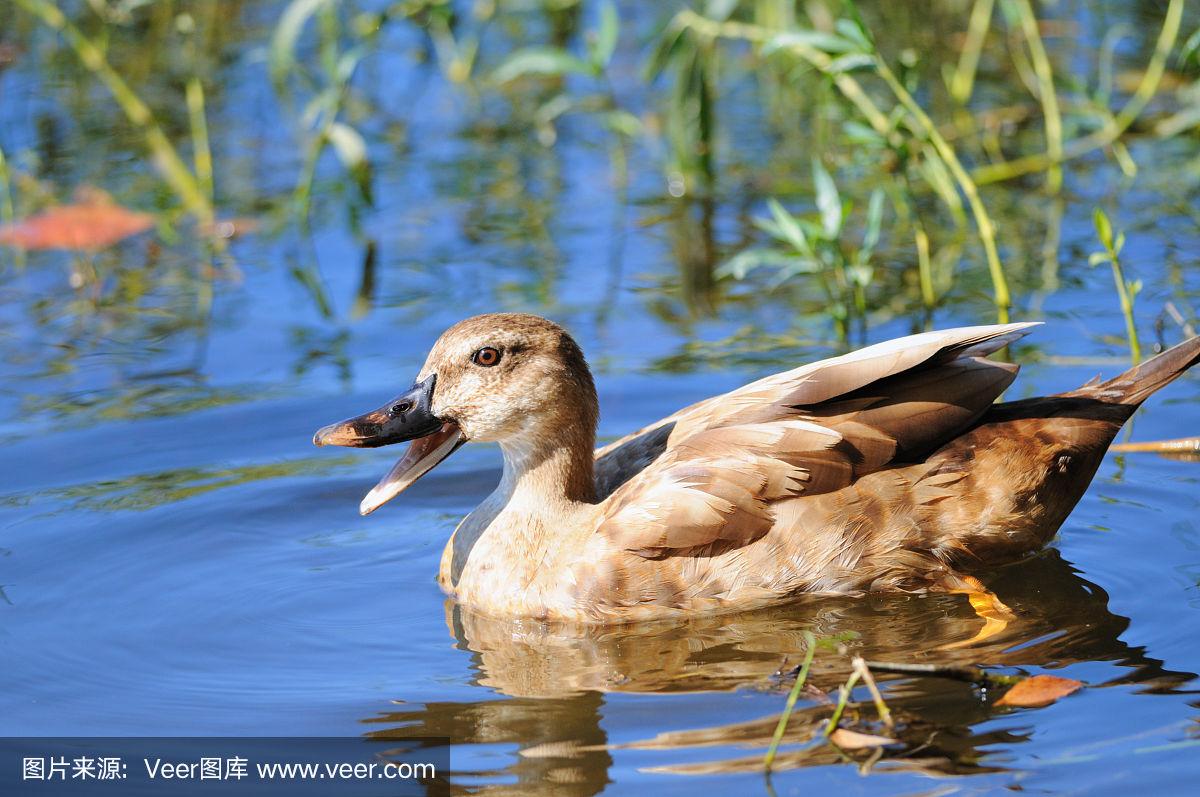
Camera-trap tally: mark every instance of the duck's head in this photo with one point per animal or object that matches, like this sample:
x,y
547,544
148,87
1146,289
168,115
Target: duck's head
x,y
511,378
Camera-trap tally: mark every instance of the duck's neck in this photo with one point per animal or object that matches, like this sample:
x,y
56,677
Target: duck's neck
x,y
549,474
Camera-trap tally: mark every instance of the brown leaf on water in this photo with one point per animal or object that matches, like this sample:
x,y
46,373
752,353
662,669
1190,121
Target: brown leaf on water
x,y
853,740
1039,690
93,222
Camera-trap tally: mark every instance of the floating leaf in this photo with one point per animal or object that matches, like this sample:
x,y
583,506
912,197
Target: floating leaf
x,y
87,225
853,740
1039,690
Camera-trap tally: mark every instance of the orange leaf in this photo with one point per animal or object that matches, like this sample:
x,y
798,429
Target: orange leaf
x,y
87,225
1040,690
853,740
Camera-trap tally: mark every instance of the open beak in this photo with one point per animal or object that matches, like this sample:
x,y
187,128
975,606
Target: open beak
x,y
407,417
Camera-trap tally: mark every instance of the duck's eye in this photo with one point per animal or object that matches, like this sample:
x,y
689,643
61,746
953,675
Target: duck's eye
x,y
487,357
401,408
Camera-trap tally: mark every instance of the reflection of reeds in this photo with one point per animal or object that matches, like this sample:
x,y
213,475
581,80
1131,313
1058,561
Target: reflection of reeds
x,y
166,158
202,154
7,214
854,48
1046,92
962,82
1114,127
983,222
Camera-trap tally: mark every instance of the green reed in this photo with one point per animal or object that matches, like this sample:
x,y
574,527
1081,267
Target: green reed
x,y
338,58
893,124
1127,290
810,650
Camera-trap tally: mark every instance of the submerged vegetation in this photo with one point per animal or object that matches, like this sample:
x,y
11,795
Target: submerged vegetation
x,y
915,135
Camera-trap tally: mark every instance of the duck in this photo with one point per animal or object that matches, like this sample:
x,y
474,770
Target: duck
x,y
892,468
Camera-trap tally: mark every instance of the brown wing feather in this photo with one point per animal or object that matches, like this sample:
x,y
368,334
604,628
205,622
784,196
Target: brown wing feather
x,y
717,485
773,396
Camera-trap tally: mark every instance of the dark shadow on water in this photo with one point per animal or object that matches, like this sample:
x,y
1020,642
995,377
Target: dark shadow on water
x,y
553,681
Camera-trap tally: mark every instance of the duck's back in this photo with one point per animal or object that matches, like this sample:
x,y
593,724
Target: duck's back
x,y
888,469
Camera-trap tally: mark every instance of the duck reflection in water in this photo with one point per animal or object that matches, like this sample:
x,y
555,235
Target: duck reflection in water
x,y
555,679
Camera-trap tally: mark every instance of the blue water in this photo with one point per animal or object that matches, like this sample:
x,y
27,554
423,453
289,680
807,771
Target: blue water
x,y
176,558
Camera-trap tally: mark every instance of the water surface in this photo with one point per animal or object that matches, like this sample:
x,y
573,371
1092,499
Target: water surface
x,y
176,559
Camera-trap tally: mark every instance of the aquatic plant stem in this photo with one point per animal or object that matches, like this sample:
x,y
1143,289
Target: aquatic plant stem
x,y
924,267
853,91
885,714
1046,94
1123,293
811,644
169,164
962,84
840,708
821,61
202,153
7,214
967,673
983,222
1113,128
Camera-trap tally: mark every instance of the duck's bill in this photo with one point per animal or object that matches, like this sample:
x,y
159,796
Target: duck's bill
x,y
422,455
406,417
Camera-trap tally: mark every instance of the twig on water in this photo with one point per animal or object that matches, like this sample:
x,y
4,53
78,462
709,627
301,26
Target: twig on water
x,y
864,672
967,673
1182,445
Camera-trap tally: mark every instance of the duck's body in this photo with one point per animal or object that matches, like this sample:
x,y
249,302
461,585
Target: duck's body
x,y
886,469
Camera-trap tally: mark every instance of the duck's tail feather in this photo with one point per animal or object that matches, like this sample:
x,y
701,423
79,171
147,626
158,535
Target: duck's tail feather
x,y
1138,383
